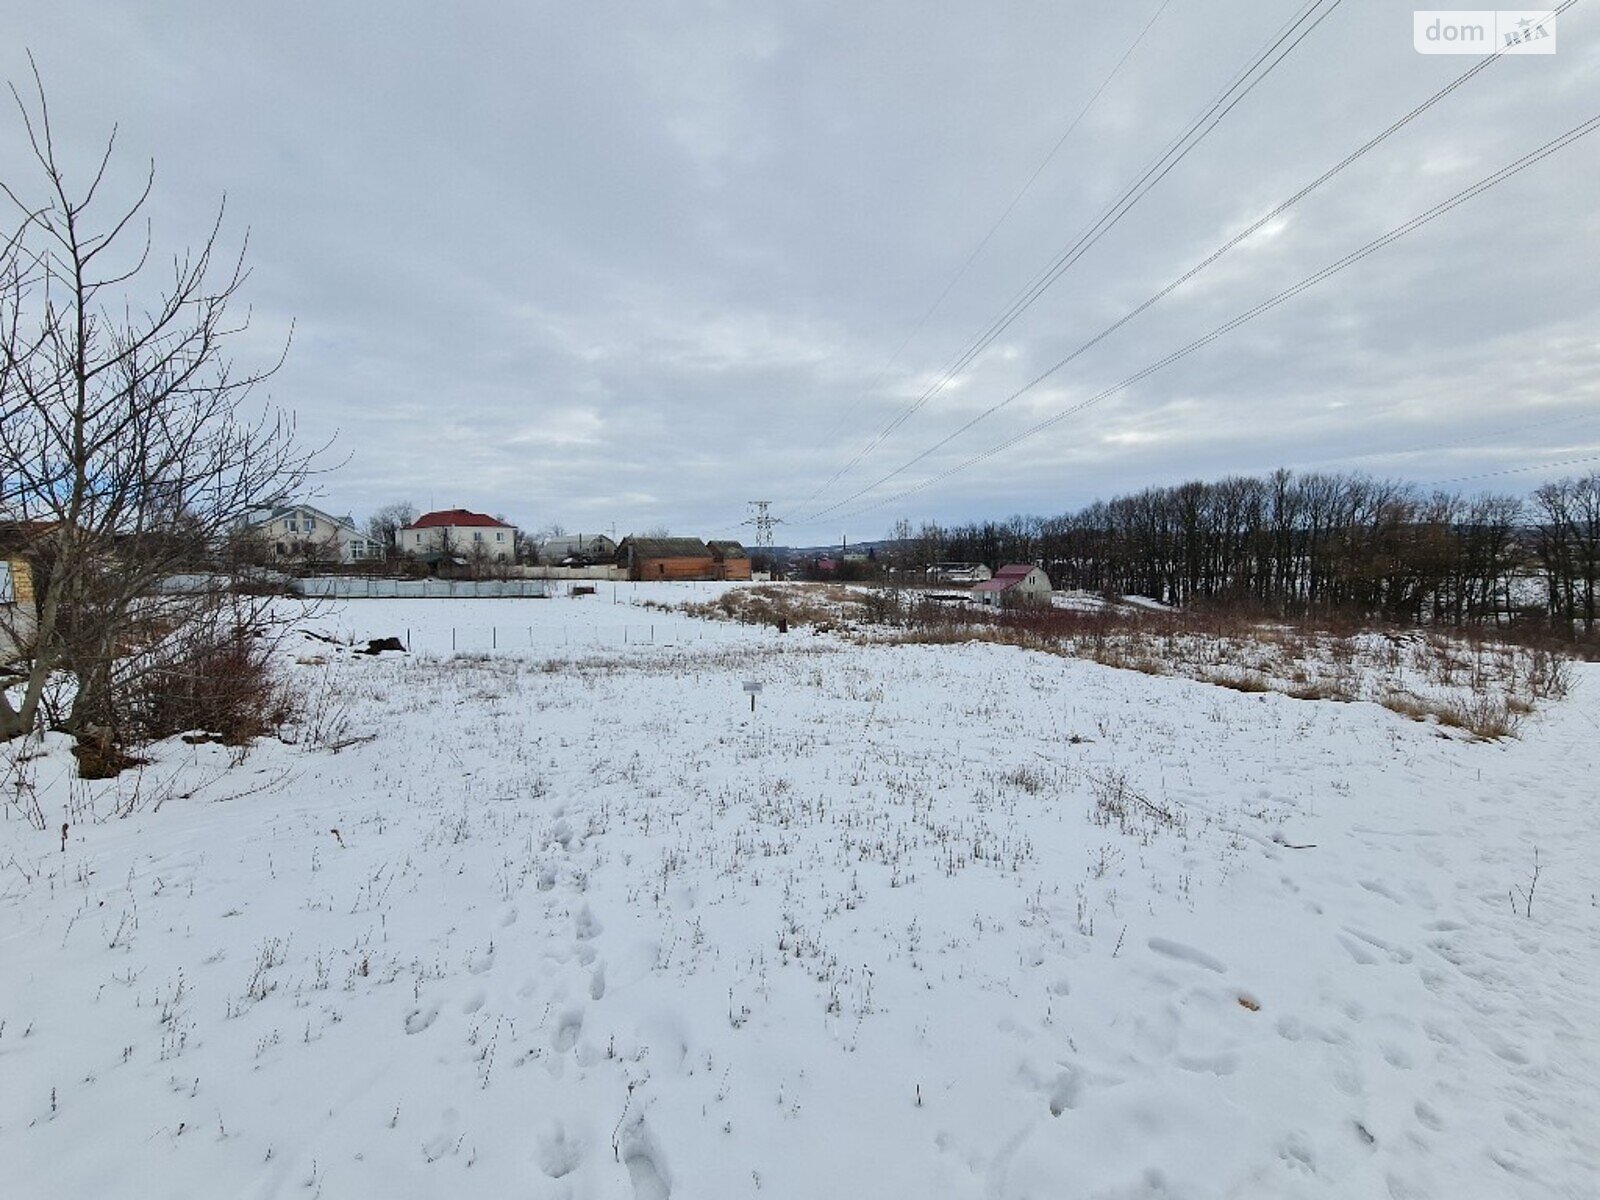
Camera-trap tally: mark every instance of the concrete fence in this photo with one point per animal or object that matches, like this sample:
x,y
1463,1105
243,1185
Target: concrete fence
x,y
342,587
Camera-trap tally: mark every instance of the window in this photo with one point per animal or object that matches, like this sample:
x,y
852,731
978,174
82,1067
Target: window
x,y
499,537
8,591
477,535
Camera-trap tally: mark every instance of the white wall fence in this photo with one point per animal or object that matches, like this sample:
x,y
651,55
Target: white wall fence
x,y
341,587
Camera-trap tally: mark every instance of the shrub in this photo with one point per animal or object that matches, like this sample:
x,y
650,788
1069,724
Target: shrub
x,y
224,685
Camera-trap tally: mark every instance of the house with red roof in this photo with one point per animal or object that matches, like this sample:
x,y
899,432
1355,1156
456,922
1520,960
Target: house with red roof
x,y
1013,585
458,533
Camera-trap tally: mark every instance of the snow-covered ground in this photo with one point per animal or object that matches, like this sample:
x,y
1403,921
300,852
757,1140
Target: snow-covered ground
x,y
564,919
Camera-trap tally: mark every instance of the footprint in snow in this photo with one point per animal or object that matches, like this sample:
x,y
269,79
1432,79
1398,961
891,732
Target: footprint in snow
x,y
1378,888
559,1154
1188,954
1065,1091
567,1030
1397,954
1225,1063
646,1169
585,925
473,1002
1395,1056
419,1019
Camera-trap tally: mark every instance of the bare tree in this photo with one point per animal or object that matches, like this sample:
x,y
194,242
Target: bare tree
x,y
129,443
384,526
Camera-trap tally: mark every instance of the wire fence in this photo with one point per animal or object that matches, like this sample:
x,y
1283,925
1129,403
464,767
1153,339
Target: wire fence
x,y
545,639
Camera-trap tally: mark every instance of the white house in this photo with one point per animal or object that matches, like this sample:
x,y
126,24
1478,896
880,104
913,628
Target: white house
x,y
958,572
1013,584
300,531
17,612
596,547
461,533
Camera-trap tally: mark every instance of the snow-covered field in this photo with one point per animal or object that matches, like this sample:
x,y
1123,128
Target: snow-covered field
x,y
564,919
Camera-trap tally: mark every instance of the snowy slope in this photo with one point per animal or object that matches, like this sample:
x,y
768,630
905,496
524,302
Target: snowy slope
x,y
958,921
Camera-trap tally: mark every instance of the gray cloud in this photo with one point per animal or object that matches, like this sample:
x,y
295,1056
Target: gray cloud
x,y
638,263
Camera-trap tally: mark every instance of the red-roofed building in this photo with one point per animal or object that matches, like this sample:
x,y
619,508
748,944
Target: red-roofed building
x,y
459,533
1013,584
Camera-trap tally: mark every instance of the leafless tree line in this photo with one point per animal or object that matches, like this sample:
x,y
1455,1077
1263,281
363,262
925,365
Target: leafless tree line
x,y
1306,543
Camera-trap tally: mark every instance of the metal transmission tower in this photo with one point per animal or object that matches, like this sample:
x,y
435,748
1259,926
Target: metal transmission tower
x,y
761,517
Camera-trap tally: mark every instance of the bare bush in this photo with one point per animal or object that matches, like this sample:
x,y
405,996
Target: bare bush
x,y
131,447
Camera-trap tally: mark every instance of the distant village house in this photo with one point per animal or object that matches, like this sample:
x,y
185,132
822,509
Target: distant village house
x,y
581,549
958,572
1014,585
731,560
458,533
682,558
300,532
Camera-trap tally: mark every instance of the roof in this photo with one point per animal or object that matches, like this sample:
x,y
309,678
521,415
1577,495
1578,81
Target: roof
x,y
265,516
1005,578
567,543
668,547
726,550
22,535
454,518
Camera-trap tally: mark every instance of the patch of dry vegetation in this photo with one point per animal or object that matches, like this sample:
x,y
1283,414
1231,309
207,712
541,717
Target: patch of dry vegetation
x,y
823,608
1483,685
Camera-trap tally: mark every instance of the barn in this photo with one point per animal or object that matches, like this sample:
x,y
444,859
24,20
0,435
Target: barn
x,y
647,558
731,559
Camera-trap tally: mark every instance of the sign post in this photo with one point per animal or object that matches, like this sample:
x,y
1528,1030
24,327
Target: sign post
x,y
754,688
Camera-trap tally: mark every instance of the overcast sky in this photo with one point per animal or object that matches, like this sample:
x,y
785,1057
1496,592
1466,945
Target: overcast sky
x,y
607,264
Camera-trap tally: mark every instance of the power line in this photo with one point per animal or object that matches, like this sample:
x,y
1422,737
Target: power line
x,y
1566,462
1209,260
986,239
1438,447
1559,143
1243,83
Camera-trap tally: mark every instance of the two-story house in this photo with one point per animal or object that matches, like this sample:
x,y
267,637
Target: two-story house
x,y
458,533
302,532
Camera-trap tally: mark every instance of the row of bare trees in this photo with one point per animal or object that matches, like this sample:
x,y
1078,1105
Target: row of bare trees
x,y
1301,543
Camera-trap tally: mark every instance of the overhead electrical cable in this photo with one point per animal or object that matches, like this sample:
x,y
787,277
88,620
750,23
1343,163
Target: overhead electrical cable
x,y
1565,462
1243,235
1533,157
1198,129
978,250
